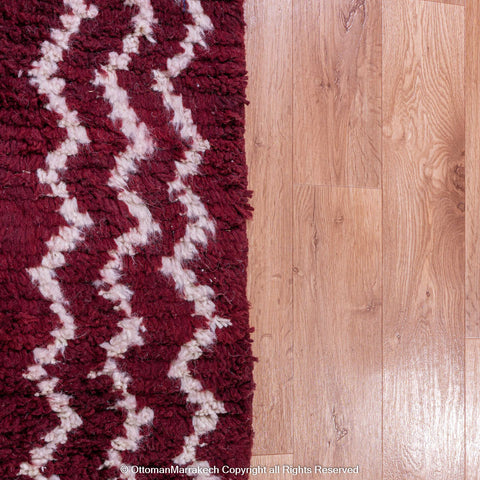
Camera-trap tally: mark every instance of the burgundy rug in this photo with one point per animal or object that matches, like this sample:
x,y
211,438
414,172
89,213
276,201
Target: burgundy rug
x,y
125,344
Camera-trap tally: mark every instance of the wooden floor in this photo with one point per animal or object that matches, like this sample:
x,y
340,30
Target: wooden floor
x,y
363,144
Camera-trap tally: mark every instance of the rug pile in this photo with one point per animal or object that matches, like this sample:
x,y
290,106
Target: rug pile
x,y
125,346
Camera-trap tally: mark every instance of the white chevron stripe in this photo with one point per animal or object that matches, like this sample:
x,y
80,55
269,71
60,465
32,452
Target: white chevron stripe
x,y
198,228
140,147
42,77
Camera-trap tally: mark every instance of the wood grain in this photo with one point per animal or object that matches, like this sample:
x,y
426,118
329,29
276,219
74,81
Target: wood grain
x,y
423,238
472,409
451,2
337,310
337,92
472,167
269,156
272,461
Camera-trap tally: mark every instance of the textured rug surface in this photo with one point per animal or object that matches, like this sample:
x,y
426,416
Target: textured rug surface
x,y
125,344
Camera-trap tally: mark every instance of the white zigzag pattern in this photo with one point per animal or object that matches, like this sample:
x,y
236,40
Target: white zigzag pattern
x,y
140,147
44,276
198,228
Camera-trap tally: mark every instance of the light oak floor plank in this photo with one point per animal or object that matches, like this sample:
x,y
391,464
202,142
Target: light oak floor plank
x,y
472,411
337,92
337,339
472,167
423,238
269,156
451,2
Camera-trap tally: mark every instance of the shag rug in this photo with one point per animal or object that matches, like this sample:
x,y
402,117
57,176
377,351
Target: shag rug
x,y
125,346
